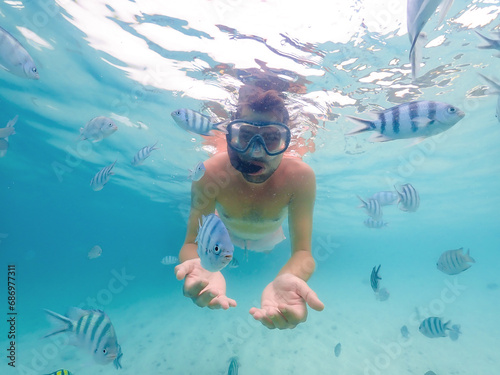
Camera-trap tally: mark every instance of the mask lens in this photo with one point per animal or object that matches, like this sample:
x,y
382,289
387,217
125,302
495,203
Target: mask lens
x,y
275,137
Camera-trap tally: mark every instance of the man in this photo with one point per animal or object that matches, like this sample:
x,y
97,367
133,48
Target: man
x,y
253,188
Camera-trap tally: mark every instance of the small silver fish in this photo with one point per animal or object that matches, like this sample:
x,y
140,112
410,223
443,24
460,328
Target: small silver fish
x,y
375,224
14,58
4,142
95,252
92,331
494,89
417,119
143,154
385,198
337,350
374,278
409,199
404,332
7,131
418,13
169,260
372,208
102,177
490,42
452,262
198,172
196,122
98,128
433,327
233,366
215,248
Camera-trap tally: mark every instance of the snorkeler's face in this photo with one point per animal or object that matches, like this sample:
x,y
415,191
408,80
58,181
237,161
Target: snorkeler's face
x,y
255,164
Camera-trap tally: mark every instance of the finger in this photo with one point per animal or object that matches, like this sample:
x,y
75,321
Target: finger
x,y
309,296
184,268
292,315
278,319
193,288
222,302
204,298
260,315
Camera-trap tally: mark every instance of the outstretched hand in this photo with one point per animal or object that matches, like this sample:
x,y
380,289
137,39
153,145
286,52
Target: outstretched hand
x,y
205,288
284,302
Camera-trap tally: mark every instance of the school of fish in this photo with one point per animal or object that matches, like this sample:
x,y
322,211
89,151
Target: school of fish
x,y
406,198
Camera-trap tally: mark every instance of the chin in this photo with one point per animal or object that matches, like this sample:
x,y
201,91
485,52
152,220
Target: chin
x,y
254,171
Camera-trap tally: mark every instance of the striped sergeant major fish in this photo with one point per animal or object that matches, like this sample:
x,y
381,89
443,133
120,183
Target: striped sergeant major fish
x,y
375,278
143,154
434,327
60,372
198,172
409,200
215,248
102,177
386,198
197,122
491,43
493,89
93,331
233,366
417,119
9,128
372,208
4,135
14,58
418,13
375,224
452,262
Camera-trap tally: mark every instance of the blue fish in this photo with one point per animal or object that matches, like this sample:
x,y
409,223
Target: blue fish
x,y
434,327
490,42
60,372
418,13
215,248
143,154
377,224
372,208
93,331
452,262
198,172
196,122
102,177
409,200
385,198
417,119
374,278
233,366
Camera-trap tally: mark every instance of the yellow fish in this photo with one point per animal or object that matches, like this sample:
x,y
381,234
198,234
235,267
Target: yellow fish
x,y
60,372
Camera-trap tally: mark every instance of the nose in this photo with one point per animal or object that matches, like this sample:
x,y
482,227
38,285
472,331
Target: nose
x,y
257,150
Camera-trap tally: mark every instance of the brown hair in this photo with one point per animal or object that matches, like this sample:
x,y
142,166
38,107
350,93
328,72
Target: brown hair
x,y
260,100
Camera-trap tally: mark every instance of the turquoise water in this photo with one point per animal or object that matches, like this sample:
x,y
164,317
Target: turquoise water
x,y
136,62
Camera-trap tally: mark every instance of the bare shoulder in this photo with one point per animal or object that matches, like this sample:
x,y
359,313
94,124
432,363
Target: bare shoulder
x,y
296,168
218,168
298,174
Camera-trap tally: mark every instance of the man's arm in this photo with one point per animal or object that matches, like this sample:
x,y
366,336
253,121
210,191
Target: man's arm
x,y
201,204
206,289
300,222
